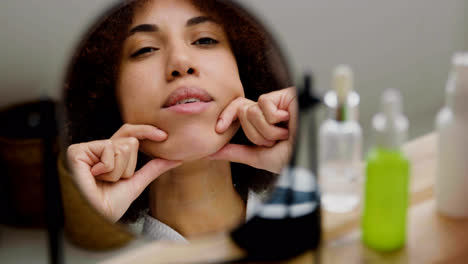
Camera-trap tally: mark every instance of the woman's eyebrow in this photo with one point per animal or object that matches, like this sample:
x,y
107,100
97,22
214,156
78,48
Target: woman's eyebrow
x,y
154,28
143,28
200,19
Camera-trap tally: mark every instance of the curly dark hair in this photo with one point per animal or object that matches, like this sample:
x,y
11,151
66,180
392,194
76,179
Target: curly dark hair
x,y
91,109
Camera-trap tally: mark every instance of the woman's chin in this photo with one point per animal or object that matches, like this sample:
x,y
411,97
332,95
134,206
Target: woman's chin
x,y
183,151
187,148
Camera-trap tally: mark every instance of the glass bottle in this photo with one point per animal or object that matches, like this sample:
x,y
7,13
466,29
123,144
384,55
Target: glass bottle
x,y
387,179
340,144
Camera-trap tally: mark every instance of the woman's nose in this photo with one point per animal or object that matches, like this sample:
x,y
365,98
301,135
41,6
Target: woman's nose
x,y
179,64
176,73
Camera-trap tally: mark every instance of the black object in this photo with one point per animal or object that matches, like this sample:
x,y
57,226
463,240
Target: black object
x,y
266,238
307,103
48,131
21,161
307,100
28,161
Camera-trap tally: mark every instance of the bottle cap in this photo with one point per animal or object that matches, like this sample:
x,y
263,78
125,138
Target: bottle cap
x,y
342,100
460,63
460,59
390,125
342,82
457,84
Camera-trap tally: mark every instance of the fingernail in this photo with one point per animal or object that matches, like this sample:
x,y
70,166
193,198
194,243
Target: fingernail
x,y
162,133
176,163
219,125
269,143
285,114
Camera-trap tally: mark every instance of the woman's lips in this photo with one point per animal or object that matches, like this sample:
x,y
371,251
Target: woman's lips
x,y
188,100
190,108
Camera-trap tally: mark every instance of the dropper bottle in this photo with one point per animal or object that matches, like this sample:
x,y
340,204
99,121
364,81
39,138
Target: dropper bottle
x,y
387,177
340,144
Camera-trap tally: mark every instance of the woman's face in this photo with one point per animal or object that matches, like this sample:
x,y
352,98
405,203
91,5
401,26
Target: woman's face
x,y
177,73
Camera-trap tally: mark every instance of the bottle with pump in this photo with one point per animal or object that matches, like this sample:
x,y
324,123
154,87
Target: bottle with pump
x,y
340,144
387,178
452,126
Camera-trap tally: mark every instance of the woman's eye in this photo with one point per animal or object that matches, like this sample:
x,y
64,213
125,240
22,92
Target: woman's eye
x,y
143,51
205,41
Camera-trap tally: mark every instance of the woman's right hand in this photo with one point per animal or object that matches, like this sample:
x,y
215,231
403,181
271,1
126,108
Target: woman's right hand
x,y
104,170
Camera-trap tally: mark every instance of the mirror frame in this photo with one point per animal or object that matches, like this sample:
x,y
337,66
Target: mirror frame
x,y
260,238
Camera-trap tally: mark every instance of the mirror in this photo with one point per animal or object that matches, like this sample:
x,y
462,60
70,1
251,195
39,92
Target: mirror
x,y
165,132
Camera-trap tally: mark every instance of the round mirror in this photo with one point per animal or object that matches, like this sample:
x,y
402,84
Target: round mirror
x,y
179,116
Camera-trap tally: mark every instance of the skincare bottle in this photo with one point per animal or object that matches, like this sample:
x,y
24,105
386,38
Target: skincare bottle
x,y
387,177
452,126
340,144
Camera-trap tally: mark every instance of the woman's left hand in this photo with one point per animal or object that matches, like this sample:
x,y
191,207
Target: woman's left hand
x,y
260,122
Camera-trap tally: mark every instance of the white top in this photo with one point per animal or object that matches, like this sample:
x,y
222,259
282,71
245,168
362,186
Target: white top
x,y
157,230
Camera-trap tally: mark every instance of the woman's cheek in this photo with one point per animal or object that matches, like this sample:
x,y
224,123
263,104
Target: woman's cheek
x,y
189,146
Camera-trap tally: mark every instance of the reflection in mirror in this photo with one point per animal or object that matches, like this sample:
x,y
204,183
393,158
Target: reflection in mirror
x,y
179,117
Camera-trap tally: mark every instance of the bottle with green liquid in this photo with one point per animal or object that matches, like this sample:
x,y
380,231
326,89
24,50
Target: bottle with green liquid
x,y
387,179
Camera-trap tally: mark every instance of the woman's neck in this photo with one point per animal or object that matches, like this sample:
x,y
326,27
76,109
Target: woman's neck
x,y
197,197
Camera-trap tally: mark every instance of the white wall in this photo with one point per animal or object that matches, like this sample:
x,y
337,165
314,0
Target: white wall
x,y
36,38
400,43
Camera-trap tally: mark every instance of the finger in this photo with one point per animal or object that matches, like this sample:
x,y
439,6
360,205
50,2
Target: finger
x,y
121,158
105,152
272,114
238,153
266,130
230,114
275,105
270,159
83,156
133,157
140,132
88,153
250,131
148,173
